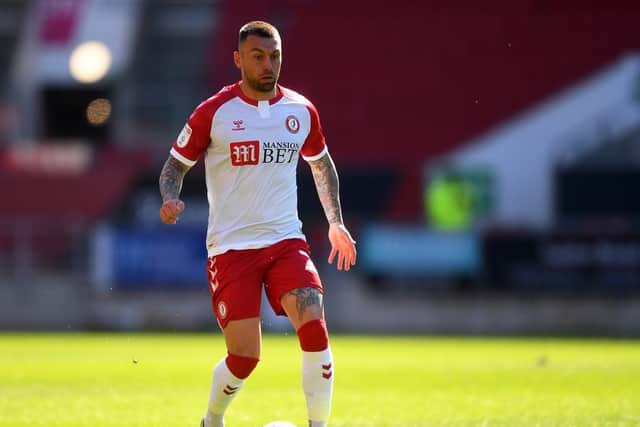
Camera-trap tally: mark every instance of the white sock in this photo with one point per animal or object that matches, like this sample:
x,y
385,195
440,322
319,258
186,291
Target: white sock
x,y
213,420
317,383
224,387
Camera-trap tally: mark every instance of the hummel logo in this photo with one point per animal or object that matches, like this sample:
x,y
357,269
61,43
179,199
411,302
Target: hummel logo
x,y
228,390
327,371
237,125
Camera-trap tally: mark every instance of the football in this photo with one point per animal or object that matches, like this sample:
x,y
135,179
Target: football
x,y
280,424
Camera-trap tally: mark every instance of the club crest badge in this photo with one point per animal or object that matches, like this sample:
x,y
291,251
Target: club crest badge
x,y
222,310
292,123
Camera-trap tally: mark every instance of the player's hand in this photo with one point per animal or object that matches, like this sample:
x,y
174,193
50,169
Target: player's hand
x,y
342,245
170,211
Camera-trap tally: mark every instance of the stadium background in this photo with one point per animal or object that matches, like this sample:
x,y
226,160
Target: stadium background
x,y
520,120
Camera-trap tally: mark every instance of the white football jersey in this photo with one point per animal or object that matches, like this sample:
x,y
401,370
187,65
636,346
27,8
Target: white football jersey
x,y
251,151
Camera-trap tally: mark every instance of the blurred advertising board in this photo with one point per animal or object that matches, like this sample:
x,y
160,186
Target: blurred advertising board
x,y
415,251
68,158
129,257
573,261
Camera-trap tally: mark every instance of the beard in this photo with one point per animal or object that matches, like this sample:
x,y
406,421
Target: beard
x,y
259,86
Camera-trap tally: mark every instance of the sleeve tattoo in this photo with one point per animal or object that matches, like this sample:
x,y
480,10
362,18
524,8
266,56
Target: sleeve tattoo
x,y
171,177
325,177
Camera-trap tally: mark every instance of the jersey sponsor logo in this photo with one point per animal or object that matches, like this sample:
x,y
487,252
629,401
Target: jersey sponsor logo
x,y
279,152
292,123
185,134
245,153
222,310
238,125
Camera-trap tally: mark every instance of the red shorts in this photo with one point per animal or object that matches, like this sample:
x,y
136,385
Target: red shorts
x,y
236,278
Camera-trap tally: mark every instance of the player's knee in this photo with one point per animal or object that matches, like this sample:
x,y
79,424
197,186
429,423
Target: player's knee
x,y
241,366
314,336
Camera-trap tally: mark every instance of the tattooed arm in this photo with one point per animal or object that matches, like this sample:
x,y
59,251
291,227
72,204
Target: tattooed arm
x,y
325,177
171,178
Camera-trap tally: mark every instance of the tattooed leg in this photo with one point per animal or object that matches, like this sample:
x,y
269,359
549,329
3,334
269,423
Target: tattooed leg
x,y
305,298
302,305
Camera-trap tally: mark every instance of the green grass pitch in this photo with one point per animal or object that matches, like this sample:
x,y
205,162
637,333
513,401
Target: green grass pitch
x,y
140,380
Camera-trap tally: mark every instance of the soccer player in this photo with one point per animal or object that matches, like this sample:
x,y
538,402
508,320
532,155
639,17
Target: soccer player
x,y
251,134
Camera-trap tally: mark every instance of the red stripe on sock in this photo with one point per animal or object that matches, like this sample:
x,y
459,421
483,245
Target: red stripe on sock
x,y
241,366
314,336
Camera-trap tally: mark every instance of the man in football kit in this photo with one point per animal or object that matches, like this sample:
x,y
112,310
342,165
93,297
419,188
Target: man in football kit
x,y
251,134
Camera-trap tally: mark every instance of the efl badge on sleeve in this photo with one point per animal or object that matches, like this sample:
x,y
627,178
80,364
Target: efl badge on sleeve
x,y
184,136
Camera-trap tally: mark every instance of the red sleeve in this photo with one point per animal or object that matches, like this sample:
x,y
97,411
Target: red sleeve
x,y
314,146
195,136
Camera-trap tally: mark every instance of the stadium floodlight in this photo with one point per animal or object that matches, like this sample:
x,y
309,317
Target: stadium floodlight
x,y
90,62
